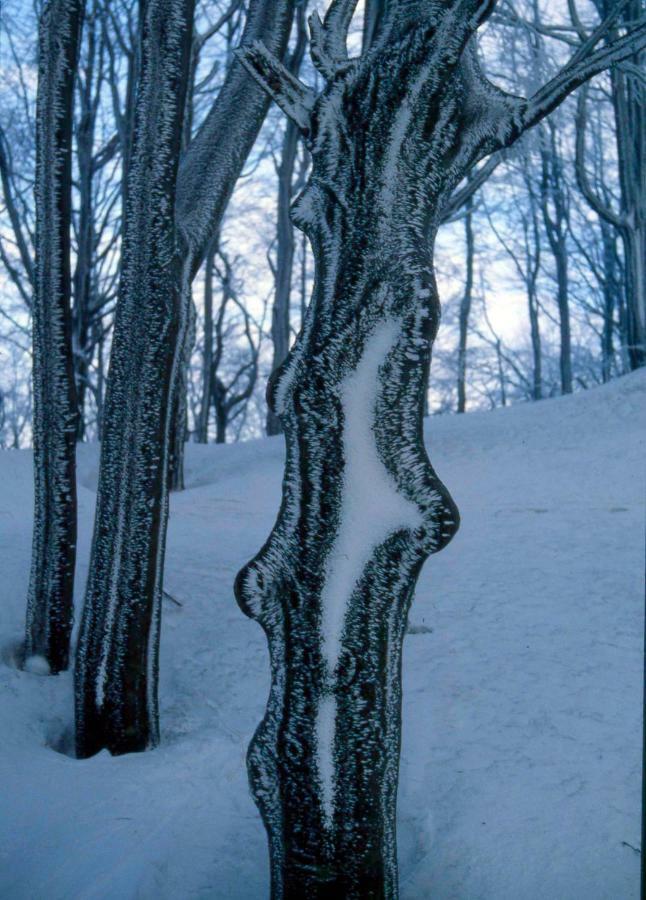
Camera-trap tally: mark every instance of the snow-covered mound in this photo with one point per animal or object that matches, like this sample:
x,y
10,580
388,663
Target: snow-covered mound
x,y
520,768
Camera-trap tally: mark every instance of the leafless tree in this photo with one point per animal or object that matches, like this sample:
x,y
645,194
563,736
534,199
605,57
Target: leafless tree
x,y
392,135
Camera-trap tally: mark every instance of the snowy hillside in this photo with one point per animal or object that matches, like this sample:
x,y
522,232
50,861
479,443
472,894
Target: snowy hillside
x,y
521,756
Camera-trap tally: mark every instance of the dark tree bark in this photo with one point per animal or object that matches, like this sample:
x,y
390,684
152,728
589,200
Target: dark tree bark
x,y
629,100
207,351
392,135
555,206
179,415
629,103
116,672
86,236
116,704
465,308
280,315
532,241
50,598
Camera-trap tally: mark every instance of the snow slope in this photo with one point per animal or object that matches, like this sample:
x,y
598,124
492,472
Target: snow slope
x,y
522,713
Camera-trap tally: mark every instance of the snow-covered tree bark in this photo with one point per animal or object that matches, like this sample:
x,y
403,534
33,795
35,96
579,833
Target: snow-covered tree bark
x,y
280,314
50,598
391,135
465,307
171,215
117,657
629,102
555,208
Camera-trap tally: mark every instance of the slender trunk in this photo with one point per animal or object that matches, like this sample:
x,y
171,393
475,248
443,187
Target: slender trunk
x,y
535,334
635,278
629,103
565,344
179,415
280,316
629,100
465,308
179,428
100,378
555,216
610,291
501,374
50,597
86,236
117,657
221,418
207,354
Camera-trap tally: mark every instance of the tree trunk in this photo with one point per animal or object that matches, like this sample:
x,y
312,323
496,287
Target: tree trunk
x,y
116,672
280,315
117,657
555,215
50,597
629,103
465,308
179,420
392,135
207,354
221,417
535,335
629,100
611,288
86,235
565,343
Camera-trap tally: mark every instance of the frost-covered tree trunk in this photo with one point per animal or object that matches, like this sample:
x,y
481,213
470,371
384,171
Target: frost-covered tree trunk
x,y
629,102
85,232
392,134
171,215
202,431
555,207
280,314
179,416
117,657
465,308
50,598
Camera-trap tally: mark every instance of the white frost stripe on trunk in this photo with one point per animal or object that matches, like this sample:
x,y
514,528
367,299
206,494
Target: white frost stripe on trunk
x,y
371,510
371,506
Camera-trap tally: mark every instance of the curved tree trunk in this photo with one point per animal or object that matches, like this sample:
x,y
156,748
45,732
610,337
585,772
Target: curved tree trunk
x,y
117,657
50,598
391,135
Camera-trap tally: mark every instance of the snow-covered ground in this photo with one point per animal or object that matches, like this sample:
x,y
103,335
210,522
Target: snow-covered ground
x,y
520,774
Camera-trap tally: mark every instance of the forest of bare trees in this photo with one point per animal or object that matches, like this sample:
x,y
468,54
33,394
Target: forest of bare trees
x,y
181,262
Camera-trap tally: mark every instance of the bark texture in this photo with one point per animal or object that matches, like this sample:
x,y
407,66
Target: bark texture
x,y
391,135
465,308
117,657
50,597
171,215
285,244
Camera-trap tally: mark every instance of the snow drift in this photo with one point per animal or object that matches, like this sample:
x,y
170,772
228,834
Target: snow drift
x,y
522,679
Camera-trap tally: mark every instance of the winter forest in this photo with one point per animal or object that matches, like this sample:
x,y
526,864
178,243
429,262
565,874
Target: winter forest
x,y
294,295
